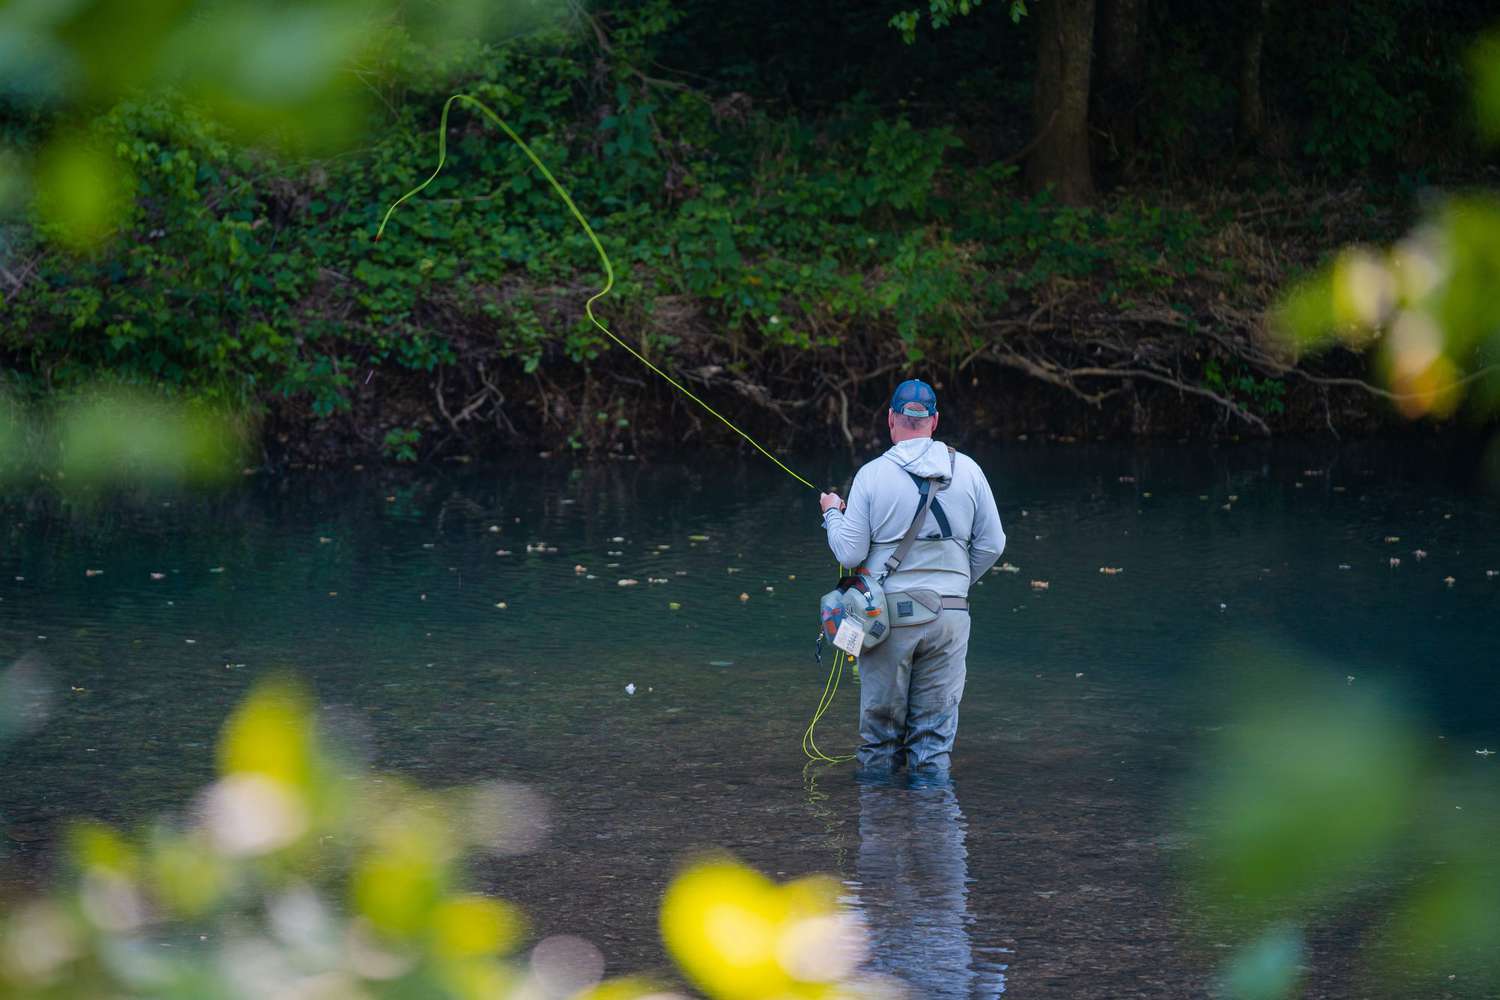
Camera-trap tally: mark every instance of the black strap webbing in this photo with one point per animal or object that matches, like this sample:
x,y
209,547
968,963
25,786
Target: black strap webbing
x,y
894,562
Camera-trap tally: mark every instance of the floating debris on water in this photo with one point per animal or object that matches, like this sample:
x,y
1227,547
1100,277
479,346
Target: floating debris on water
x,y
93,572
697,538
791,576
1489,573
324,539
501,605
731,569
1006,567
1486,752
1395,562
1449,580
680,572
216,569
541,547
1040,584
580,569
721,663
630,689
627,582
1127,479
502,552
1344,566
1348,678
674,606
158,576
618,538
744,596
1111,570
590,576
663,548
428,545
613,552
1391,539
770,589
1420,553
494,529
656,579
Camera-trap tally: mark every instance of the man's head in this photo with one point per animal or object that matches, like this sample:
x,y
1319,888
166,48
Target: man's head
x,y
913,412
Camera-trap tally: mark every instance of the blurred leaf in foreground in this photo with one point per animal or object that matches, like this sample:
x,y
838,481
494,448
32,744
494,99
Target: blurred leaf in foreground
x,y
111,436
1267,968
296,875
83,192
1428,304
740,937
1305,789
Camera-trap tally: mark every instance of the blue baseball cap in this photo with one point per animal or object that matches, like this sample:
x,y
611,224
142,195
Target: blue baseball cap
x,y
914,398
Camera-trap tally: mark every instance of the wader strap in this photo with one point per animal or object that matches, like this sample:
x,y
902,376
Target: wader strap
x,y
894,562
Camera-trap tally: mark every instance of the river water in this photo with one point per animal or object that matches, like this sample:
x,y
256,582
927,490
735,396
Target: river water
x,y
1048,869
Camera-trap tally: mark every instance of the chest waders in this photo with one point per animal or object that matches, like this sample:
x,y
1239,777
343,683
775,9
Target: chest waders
x,y
861,601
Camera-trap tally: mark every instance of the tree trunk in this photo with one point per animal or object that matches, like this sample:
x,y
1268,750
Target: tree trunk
x,y
1252,115
1117,87
1060,158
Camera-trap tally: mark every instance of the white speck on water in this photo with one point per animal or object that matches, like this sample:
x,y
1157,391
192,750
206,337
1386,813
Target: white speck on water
x,y
630,689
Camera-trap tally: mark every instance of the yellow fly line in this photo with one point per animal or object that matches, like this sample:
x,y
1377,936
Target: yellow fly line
x,y
831,686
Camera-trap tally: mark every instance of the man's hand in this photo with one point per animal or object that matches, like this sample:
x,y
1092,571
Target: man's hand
x,y
828,501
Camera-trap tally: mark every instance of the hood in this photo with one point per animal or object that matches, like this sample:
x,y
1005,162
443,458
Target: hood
x,y
923,457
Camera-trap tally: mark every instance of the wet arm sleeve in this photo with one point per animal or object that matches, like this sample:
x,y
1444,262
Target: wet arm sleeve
x,y
849,530
988,540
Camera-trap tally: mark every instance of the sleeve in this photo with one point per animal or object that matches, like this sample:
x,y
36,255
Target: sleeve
x,y
988,539
849,530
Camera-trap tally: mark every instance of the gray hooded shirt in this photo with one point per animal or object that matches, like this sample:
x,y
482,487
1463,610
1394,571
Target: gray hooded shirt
x,y
883,501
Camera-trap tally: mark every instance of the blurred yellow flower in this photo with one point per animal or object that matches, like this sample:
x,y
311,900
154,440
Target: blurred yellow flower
x,y
739,936
473,926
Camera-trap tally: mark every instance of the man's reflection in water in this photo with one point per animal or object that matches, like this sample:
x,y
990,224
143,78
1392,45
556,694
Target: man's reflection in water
x,y
911,888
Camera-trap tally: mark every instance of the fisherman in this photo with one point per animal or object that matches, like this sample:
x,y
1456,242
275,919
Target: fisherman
x,y
911,684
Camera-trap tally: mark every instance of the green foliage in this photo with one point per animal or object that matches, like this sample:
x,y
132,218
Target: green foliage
x,y
400,443
247,276
940,14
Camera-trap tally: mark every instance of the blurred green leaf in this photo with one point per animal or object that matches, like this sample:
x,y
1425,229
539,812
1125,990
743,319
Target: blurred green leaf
x,y
1268,967
113,436
83,192
1304,789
